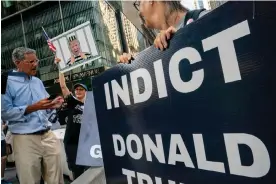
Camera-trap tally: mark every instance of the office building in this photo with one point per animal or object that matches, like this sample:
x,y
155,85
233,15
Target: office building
x,y
200,4
215,4
22,22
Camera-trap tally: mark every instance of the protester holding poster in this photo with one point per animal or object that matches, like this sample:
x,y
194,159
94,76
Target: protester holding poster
x,y
75,106
165,16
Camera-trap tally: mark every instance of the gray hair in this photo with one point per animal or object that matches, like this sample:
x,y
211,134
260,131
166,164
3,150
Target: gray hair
x,y
175,6
18,54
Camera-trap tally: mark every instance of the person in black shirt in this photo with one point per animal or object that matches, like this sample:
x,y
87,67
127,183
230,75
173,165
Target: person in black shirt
x,y
75,105
63,114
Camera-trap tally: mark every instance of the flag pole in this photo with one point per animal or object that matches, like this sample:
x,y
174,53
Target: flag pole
x,y
44,32
54,53
43,29
47,37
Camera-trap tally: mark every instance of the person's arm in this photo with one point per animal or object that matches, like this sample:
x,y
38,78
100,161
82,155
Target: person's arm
x,y
20,113
163,37
10,113
62,83
64,88
44,104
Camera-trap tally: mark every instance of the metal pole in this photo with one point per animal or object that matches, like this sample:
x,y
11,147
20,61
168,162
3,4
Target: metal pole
x,y
61,16
121,31
23,30
105,50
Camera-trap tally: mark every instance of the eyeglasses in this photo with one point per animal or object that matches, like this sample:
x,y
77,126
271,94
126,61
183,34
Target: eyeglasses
x,y
32,62
136,5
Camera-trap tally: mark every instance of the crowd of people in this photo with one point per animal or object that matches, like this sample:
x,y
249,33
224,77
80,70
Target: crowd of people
x,y
28,107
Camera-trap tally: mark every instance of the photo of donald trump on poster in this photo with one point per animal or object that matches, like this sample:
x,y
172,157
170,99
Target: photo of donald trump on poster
x,y
77,54
76,47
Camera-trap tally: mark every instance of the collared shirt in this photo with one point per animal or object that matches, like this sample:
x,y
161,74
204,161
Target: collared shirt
x,y
21,92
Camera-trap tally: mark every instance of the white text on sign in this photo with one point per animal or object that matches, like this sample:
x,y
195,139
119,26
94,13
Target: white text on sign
x,y
223,41
149,148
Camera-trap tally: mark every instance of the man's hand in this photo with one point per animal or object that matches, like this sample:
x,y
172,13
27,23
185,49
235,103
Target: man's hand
x,y
57,102
43,105
125,58
161,40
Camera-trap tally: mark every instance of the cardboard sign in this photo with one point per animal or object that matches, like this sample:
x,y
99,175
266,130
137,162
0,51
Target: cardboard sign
x,y
89,147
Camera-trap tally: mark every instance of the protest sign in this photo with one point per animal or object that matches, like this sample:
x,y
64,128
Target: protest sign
x,y
89,147
76,47
199,112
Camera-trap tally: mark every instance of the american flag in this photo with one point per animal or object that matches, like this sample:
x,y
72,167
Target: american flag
x,y
50,44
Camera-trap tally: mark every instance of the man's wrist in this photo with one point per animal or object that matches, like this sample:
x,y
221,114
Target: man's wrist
x,y
30,109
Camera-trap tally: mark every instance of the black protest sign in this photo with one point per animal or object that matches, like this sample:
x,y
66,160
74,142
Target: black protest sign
x,y
200,112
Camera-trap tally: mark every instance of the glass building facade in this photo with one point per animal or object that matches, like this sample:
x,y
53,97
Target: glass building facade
x,y
22,23
215,4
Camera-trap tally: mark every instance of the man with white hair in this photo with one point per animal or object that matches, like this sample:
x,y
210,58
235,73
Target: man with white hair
x,y
26,106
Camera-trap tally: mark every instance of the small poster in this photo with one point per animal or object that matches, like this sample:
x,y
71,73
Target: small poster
x,y
89,147
76,47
